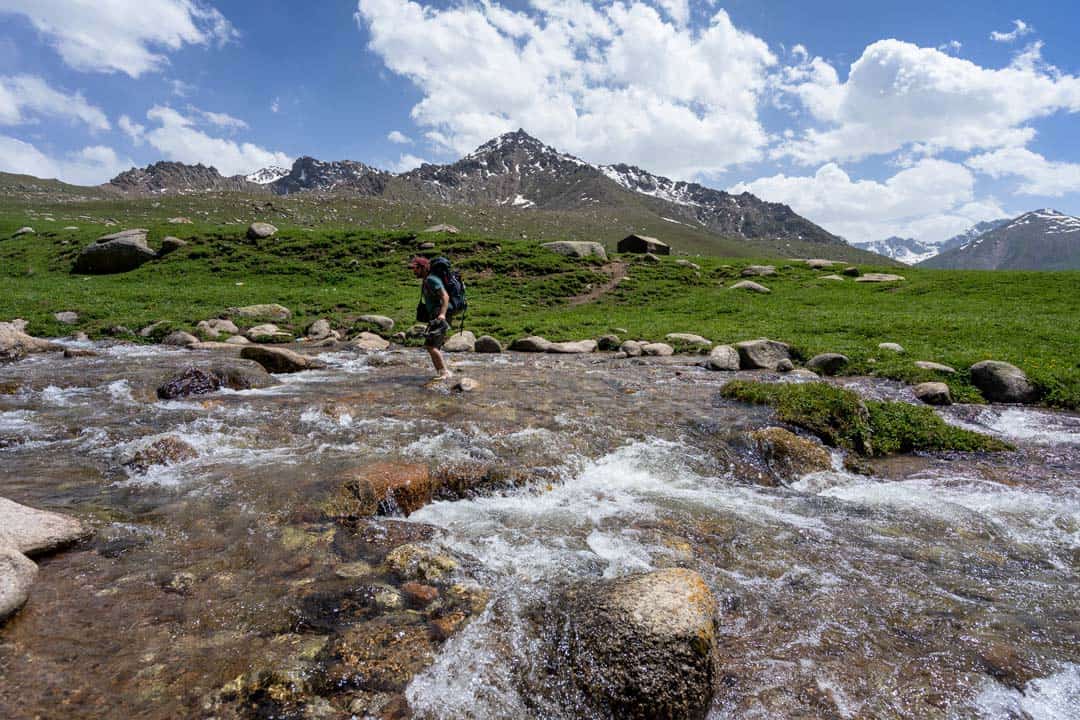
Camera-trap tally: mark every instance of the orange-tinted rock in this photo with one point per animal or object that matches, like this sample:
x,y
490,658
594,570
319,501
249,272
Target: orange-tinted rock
x,y
384,489
443,627
419,594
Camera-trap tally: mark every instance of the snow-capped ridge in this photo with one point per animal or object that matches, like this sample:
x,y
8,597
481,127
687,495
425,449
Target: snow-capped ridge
x,y
267,175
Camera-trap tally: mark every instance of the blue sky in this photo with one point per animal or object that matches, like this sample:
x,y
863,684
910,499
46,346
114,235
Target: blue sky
x,y
872,119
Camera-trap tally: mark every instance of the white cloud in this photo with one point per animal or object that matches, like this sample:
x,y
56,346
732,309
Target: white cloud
x,y
181,88
1040,176
900,95
1020,29
930,201
275,105
407,162
222,120
177,138
952,47
618,83
129,36
90,166
398,137
24,96
132,129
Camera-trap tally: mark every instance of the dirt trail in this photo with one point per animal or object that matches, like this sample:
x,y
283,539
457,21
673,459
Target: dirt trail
x,y
616,271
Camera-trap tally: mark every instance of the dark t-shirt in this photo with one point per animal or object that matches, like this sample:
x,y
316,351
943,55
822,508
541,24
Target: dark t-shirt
x,y
431,292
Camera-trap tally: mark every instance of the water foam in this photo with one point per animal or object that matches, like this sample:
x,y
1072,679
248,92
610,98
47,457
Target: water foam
x,y
1056,697
1026,425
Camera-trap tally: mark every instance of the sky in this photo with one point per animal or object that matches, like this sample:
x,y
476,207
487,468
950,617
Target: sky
x,y
872,119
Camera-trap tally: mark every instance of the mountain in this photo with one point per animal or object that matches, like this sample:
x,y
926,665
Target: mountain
x,y
1039,240
267,175
176,177
971,233
906,250
311,175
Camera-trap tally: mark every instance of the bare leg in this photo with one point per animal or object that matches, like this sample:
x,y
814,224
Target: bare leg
x,y
438,361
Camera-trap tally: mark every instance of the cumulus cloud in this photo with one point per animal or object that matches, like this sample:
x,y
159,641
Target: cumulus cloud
x,y
177,137
1040,176
92,165
221,120
128,36
407,162
622,82
1020,29
22,97
398,137
900,95
931,201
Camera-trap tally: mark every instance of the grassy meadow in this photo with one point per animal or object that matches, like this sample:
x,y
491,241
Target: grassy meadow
x,y
516,288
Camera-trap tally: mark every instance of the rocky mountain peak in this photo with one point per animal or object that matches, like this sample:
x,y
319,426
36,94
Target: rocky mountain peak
x,y
308,173
167,176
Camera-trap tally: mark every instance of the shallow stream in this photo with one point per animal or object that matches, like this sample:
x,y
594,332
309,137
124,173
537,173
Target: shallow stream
x,y
940,586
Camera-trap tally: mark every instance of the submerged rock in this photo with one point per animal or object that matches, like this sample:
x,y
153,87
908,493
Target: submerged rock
x,y
200,381
382,489
420,563
1001,382
790,456
643,646
279,360
165,451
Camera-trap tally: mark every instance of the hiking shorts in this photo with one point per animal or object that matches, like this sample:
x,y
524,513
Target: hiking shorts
x,y
435,340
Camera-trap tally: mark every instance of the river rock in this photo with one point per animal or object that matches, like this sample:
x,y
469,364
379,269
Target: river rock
x,y
607,343
657,350
383,488
24,230
268,333
374,322
463,341
67,317
879,278
216,327
532,343
762,354
370,342
758,270
723,357
237,340
116,253
642,646
17,573
235,375
79,353
632,348
488,344
267,311
820,264
260,231
751,286
170,244
891,347
785,366
32,531
279,360
16,344
465,385
1001,382
933,393
165,451
319,330
578,347
788,455
577,248
828,363
179,338
420,563
935,367
688,339
804,373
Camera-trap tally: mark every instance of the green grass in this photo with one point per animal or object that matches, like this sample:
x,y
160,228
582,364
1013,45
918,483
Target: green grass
x,y
842,419
333,270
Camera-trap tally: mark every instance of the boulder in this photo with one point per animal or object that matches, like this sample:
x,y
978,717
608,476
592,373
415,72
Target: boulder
x,y
426,246
153,328
607,342
579,347
116,253
785,366
279,360
751,286
650,258
828,363
260,231
374,322
487,344
33,532
723,357
25,230
788,455
688,339
165,451
532,343
319,330
463,341
170,244
851,271
67,317
878,278
758,270
370,342
17,573
820,264
933,393
420,563
465,385
642,646
237,340
682,262
1001,382
830,277
632,348
216,327
804,373
935,367
442,228
16,344
383,488
762,354
891,347
269,311
180,221
199,381
576,248
268,333
180,339
657,350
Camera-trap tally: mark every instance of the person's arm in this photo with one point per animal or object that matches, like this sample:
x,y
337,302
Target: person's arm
x,y
444,303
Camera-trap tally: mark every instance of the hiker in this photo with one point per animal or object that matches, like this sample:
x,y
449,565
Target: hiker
x,y
434,306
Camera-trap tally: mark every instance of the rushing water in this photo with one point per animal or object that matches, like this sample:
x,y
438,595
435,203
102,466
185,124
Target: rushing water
x,y
940,586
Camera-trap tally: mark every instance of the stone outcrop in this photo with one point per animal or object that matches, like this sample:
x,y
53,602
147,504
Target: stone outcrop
x,y
723,357
116,253
577,248
169,245
1001,382
758,270
25,230
762,354
279,360
820,264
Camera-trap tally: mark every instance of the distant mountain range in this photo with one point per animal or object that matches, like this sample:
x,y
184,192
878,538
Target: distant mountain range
x,y
1039,240
514,170
906,250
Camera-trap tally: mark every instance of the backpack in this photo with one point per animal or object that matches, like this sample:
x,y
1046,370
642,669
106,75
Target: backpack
x,y
451,280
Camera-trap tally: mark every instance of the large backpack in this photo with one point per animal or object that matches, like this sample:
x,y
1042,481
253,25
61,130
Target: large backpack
x,y
455,287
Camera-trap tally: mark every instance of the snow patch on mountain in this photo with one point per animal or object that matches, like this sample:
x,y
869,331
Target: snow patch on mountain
x,y
641,181
267,175
1054,222
906,250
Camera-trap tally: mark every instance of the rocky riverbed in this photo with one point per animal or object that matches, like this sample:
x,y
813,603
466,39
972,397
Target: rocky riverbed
x,y
240,566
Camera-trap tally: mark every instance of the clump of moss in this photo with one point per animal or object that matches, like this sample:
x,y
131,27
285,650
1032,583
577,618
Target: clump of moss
x,y
842,419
